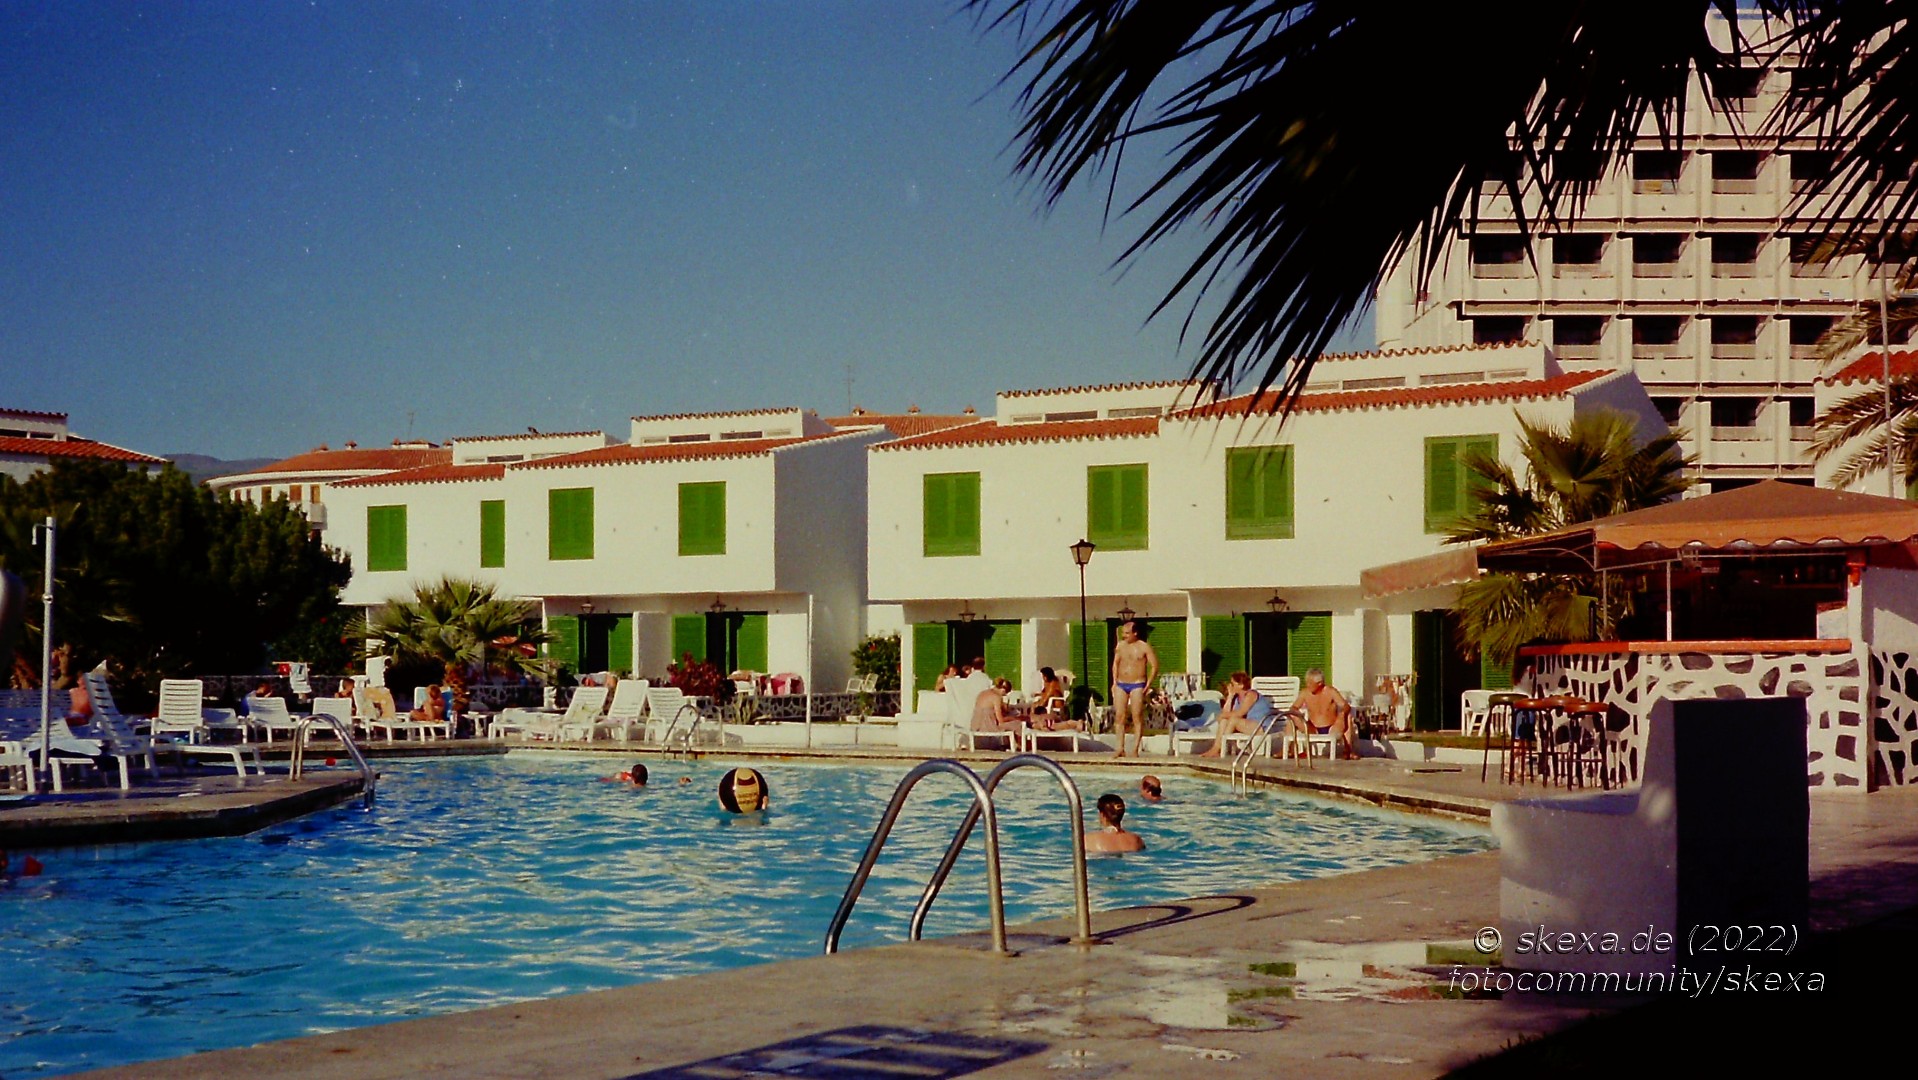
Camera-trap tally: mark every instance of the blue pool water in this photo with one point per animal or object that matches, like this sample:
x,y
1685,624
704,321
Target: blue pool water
x,y
480,881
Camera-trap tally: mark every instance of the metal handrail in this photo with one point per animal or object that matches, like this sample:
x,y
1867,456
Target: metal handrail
x,y
982,800
1241,773
1076,807
666,739
368,778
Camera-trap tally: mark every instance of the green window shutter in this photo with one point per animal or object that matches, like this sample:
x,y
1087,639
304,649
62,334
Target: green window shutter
x,y
951,514
1167,637
1258,493
1098,665
565,644
689,636
619,646
749,643
1493,676
1003,655
1116,507
1470,482
702,518
1308,643
569,523
1441,483
386,538
930,654
1222,647
493,532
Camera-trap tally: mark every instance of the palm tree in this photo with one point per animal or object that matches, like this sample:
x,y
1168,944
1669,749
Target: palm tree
x,y
461,625
1875,429
1593,467
1279,141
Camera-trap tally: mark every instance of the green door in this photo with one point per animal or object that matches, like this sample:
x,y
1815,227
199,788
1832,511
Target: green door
x,y
1428,663
747,638
931,652
1221,647
1096,671
619,646
1308,642
1002,652
1167,638
689,636
564,646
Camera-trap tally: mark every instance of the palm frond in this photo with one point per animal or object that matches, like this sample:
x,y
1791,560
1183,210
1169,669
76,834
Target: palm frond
x,y
1866,326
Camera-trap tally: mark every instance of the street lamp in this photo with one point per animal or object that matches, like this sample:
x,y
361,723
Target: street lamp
x,y
1125,612
1081,555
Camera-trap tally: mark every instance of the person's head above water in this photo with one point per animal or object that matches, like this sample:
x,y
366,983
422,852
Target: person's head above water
x,y
637,774
1150,788
1111,810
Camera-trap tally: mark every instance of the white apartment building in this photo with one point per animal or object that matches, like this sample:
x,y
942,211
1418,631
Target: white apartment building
x,y
30,441
1238,540
1682,269
303,479
734,536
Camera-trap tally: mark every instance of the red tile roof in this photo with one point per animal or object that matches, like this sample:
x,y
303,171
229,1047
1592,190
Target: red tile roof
x,y
988,432
527,435
716,415
1407,397
429,474
1870,368
627,454
71,447
35,413
905,425
381,459
1164,384
1427,350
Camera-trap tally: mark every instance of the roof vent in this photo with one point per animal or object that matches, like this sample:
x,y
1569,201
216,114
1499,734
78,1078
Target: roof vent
x,y
912,410
970,411
351,445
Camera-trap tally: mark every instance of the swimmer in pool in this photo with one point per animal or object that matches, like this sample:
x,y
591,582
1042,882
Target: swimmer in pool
x,y
1150,789
635,776
1112,834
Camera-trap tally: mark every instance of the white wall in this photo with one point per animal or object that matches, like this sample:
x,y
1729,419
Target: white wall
x,y
442,536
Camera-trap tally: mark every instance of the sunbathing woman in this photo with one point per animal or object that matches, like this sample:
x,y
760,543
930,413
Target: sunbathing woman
x,y
1050,712
1246,711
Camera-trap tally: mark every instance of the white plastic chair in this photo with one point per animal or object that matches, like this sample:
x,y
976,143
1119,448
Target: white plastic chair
x,y
1283,692
665,706
1183,739
1474,707
271,715
628,710
582,713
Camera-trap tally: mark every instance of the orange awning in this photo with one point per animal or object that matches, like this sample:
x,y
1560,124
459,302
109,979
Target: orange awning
x,y
1767,516
1448,567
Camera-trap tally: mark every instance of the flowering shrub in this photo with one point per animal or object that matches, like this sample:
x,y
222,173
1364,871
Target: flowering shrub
x,y
879,655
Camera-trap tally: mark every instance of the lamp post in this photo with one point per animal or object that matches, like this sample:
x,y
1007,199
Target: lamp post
x,y
1081,555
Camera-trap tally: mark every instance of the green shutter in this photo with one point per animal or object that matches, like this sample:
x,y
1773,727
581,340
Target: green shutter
x,y
619,646
1308,643
1167,637
493,532
951,525
386,538
1097,670
1471,484
1117,506
1222,647
564,646
1493,676
1441,483
749,643
702,518
569,523
1003,655
689,636
931,647
1258,493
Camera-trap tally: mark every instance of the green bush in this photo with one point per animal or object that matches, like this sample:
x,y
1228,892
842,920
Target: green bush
x,y
879,655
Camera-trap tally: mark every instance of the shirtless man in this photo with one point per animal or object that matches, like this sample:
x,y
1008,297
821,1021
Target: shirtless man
x,y
1134,669
1111,835
1322,710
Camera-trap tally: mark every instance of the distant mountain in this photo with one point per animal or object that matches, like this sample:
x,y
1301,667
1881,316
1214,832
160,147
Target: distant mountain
x,y
200,466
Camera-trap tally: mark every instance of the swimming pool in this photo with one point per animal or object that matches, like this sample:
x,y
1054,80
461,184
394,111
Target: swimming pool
x,y
480,881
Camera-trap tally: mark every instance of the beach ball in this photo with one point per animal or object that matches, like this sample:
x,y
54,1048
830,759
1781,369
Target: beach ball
x,y
742,791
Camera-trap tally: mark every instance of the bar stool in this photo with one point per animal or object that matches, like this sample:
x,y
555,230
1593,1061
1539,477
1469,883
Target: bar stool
x,y
1589,724
1557,711
1522,757
1499,715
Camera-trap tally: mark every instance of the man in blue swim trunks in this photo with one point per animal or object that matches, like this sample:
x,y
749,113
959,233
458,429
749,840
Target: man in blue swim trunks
x,y
1134,668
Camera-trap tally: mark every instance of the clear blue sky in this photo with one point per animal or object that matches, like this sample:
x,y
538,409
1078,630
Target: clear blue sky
x,y
248,228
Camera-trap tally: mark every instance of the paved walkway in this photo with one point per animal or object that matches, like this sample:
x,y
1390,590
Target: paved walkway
x,y
1339,977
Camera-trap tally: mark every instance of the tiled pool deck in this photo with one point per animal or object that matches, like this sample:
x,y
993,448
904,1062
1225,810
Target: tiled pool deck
x,y
1326,978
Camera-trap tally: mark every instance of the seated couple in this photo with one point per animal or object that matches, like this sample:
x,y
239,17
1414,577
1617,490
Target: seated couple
x,y
991,713
1320,710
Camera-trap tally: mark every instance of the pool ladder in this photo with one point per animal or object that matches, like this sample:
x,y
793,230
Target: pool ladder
x,y
982,807
686,737
1241,774
368,778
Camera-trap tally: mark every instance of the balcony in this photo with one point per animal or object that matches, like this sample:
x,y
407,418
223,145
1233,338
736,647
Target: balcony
x,y
1654,187
1804,352
1584,350
1734,269
1734,350
1485,270
1740,433
1802,434
1667,368
1808,269
1658,269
